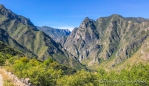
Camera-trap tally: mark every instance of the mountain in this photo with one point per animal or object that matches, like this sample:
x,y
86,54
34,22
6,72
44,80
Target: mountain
x,y
27,35
108,41
56,34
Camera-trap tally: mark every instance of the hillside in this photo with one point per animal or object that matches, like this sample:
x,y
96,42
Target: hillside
x,y
5,38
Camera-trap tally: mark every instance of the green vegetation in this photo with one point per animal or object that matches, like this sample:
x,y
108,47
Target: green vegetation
x,y
51,73
41,73
7,83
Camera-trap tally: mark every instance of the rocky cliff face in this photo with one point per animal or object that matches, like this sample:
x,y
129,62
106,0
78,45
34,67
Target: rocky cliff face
x,y
27,35
114,37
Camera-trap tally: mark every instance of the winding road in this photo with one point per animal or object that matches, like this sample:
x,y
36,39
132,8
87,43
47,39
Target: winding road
x,y
1,80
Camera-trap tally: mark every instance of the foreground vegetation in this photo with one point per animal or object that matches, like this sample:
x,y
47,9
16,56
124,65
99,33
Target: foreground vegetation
x,y
51,73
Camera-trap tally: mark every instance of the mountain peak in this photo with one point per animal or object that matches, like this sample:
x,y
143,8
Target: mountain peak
x,y
1,6
116,16
9,14
86,20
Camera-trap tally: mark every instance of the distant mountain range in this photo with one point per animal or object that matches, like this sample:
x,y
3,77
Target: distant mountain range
x,y
108,42
58,35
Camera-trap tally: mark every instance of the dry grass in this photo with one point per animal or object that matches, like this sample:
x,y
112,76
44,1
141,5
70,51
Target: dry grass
x,y
7,80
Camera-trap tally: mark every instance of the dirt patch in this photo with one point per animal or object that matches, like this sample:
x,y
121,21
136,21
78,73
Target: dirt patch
x,y
14,80
1,80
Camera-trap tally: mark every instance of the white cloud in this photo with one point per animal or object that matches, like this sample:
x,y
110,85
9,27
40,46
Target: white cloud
x,y
65,27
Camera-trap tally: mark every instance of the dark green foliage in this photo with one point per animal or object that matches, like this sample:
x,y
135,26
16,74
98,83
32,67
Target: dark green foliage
x,y
2,60
9,51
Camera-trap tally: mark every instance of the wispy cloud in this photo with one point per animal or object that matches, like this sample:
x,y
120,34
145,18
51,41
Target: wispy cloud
x,y
65,27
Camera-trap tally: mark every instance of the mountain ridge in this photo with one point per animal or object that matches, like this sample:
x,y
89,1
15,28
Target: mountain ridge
x,y
58,35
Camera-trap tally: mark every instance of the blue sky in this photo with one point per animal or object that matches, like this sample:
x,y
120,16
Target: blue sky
x,y
70,13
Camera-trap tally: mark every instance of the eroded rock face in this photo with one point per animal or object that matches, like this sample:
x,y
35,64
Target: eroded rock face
x,y
107,37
